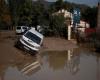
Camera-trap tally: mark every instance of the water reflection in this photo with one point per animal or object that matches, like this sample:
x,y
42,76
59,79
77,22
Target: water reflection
x,y
73,61
66,59
74,64
98,67
32,66
12,73
57,60
23,70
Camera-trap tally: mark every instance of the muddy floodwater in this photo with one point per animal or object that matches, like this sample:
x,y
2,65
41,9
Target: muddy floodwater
x,y
74,64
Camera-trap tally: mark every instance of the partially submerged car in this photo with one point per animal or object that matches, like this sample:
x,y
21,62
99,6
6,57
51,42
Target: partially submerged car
x,y
31,41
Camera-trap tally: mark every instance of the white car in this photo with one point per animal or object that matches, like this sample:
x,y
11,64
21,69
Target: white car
x,y
31,40
21,29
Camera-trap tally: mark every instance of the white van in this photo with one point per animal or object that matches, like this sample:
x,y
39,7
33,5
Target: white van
x,y
21,29
31,40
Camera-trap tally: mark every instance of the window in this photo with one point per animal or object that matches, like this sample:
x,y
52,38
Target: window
x,y
33,37
18,27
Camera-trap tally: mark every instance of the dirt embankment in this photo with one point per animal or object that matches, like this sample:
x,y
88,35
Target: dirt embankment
x,y
58,44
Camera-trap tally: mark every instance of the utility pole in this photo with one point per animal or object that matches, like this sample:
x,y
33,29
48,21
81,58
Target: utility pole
x,y
97,42
98,19
69,32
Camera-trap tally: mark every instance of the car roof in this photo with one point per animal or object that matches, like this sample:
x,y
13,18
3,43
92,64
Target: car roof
x,y
36,32
21,26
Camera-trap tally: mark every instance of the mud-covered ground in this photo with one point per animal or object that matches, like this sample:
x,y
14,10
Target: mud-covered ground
x,y
11,56
58,59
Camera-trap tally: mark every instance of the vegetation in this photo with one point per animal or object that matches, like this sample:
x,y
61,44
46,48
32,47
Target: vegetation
x,y
5,19
21,11
56,27
90,16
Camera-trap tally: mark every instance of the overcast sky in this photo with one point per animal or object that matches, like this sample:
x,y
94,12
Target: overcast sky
x,y
87,2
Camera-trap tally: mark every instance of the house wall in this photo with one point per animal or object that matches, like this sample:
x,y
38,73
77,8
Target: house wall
x,y
83,25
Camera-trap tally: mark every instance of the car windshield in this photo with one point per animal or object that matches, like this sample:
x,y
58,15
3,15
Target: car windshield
x,y
33,37
18,27
25,28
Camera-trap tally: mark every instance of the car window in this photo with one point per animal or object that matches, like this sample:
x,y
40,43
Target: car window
x,y
25,28
33,37
18,27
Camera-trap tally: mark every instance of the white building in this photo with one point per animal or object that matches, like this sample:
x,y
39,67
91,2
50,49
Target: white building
x,y
83,25
65,12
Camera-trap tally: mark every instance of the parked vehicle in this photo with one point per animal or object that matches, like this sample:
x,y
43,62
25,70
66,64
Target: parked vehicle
x,y
31,41
21,29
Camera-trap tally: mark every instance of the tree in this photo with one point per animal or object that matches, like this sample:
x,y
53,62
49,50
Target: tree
x,y
21,11
59,4
40,14
25,13
5,18
57,26
90,15
13,11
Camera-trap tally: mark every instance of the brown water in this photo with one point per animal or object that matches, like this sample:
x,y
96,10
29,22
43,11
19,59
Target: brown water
x,y
75,64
